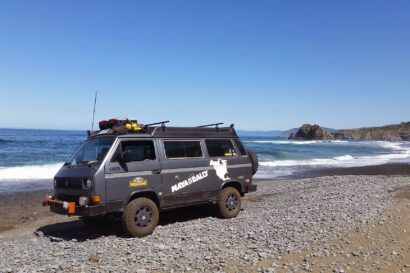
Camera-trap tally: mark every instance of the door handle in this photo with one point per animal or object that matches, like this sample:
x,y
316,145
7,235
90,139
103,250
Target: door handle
x,y
156,171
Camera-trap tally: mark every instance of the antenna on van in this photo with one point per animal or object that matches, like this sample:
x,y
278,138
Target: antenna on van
x,y
95,102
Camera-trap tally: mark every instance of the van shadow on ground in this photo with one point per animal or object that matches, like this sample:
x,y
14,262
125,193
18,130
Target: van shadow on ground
x,y
77,230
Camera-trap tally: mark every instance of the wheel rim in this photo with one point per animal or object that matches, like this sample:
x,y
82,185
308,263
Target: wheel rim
x,y
231,202
143,216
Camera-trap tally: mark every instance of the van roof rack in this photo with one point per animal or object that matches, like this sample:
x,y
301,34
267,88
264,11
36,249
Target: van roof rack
x,y
158,129
155,123
212,124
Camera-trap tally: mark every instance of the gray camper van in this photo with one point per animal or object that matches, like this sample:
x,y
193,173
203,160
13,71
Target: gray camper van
x,y
136,171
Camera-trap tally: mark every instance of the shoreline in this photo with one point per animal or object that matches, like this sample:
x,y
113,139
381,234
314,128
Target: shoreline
x,y
17,208
389,169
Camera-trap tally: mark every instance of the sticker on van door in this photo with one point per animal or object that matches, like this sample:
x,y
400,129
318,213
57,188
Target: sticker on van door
x,y
221,168
138,182
193,179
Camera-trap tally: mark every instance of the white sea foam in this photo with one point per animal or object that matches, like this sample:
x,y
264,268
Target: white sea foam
x,y
343,158
341,161
31,172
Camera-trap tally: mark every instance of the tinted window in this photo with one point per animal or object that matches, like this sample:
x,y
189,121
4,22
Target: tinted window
x,y
140,150
220,147
240,146
180,149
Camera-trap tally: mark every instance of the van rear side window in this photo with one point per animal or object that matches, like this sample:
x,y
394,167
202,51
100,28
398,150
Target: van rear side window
x,y
182,149
220,147
240,146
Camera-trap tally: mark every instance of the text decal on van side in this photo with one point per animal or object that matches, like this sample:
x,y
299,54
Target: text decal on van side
x,y
189,181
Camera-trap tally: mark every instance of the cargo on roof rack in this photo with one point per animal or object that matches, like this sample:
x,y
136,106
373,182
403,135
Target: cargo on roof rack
x,y
124,126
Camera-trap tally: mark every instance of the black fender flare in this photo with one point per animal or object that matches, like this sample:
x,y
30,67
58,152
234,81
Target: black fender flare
x,y
148,193
233,183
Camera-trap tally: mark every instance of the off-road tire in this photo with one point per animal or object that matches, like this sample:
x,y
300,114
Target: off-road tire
x,y
254,161
228,202
133,221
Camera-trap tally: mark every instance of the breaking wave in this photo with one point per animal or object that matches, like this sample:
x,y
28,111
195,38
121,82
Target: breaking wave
x,y
30,172
341,161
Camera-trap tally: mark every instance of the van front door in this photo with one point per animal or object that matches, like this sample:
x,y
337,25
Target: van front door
x,y
142,173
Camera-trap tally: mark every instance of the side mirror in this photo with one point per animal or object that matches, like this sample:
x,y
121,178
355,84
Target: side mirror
x,y
126,156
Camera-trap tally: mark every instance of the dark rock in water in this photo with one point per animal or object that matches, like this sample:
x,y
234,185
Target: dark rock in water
x,y
311,132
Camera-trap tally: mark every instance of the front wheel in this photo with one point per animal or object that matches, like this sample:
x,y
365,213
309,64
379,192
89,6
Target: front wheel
x,y
229,202
140,217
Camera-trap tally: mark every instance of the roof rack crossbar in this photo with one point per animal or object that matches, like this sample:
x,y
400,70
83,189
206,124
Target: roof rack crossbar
x,y
212,124
156,123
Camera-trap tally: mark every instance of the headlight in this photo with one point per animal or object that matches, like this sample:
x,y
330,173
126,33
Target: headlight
x,y
87,184
83,201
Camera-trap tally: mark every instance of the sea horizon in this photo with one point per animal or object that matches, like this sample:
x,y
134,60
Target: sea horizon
x,y
30,159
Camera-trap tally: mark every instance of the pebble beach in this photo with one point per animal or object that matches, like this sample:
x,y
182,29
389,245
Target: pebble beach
x,y
350,223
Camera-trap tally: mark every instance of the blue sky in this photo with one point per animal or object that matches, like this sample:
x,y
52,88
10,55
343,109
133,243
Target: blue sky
x,y
258,64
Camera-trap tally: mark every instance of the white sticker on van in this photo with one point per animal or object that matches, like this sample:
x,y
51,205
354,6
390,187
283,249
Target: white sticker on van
x,y
220,166
193,179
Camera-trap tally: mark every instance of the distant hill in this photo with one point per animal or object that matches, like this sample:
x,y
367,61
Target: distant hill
x,y
272,134
392,132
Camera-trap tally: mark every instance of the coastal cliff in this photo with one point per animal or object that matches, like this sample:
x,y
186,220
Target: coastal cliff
x,y
394,132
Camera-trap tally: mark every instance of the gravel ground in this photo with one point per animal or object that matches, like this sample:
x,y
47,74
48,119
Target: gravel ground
x,y
281,217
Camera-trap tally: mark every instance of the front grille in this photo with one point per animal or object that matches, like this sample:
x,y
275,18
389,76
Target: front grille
x,y
67,198
69,183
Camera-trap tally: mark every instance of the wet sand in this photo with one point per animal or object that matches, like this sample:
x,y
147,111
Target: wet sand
x,y
20,208
402,169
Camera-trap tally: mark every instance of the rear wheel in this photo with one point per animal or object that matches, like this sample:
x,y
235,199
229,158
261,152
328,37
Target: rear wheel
x,y
229,202
140,217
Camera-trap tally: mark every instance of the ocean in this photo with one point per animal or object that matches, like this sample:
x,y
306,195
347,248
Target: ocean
x,y
29,159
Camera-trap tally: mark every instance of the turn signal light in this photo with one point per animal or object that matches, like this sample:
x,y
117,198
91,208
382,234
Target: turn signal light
x,y
95,199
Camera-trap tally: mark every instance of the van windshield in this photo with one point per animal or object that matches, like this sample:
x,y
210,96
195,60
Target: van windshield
x,y
91,151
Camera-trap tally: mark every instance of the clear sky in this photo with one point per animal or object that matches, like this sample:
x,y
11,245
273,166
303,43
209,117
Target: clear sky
x,y
258,64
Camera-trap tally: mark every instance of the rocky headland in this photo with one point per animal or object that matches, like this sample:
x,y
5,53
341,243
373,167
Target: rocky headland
x,y
311,132
394,132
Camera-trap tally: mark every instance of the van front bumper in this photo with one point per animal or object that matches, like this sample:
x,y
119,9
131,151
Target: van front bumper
x,y
95,210
70,208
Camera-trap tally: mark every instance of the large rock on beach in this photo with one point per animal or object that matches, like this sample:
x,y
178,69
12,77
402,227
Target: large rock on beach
x,y
311,132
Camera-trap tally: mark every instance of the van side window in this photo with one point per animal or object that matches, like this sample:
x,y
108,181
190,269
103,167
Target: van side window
x,y
220,147
240,146
140,149
182,149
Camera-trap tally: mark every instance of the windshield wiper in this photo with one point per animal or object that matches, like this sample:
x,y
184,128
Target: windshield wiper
x,y
88,162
